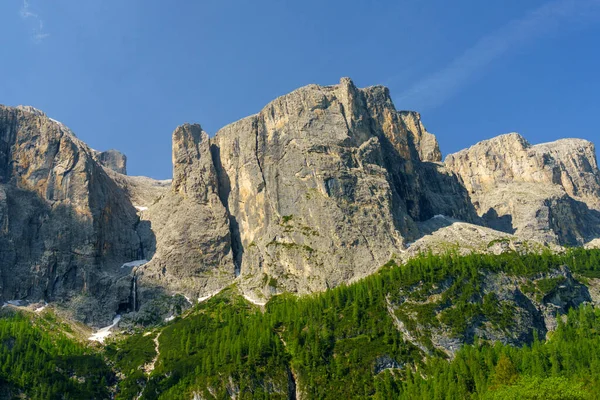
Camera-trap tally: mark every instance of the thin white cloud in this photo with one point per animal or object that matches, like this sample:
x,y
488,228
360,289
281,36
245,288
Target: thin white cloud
x,y
439,87
38,33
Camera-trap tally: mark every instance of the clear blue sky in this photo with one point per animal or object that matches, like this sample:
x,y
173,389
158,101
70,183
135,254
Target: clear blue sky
x,y
124,73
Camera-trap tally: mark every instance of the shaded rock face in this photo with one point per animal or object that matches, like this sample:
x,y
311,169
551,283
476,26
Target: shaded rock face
x,y
66,227
112,159
193,241
385,362
321,187
547,192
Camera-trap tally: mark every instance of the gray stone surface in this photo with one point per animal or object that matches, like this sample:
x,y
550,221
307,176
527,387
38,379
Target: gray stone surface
x,y
531,313
323,186
112,159
193,253
66,226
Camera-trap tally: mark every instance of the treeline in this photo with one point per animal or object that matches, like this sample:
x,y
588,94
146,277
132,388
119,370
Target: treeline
x,y
225,338
343,343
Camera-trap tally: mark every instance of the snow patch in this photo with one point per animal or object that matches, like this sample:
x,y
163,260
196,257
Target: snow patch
x,y
169,319
136,263
16,303
440,216
254,301
42,308
141,208
204,298
57,122
104,332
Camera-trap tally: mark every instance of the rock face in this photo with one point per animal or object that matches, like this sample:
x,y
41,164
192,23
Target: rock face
x,y
548,192
321,187
325,184
194,252
426,143
112,159
66,227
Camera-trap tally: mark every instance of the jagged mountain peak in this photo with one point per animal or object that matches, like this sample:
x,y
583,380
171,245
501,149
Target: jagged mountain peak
x,y
322,186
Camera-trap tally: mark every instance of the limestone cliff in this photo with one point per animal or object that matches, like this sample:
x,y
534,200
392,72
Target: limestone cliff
x,y
193,241
66,227
548,192
112,159
321,187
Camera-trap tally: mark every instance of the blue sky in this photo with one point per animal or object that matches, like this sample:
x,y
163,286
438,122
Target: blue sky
x,y
124,74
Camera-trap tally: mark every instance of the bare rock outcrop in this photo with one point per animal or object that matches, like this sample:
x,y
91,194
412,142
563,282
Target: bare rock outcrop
x,y
112,159
66,226
193,252
426,143
325,184
321,187
506,308
548,192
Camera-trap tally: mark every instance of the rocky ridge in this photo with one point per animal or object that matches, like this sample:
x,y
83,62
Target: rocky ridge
x,y
514,310
321,187
548,192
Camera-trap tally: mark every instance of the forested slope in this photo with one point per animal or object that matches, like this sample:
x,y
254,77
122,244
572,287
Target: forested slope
x,y
383,337
346,342
39,361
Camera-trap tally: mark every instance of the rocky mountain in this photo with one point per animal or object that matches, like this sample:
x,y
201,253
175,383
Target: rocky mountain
x,y
548,192
323,186
531,306
111,159
66,226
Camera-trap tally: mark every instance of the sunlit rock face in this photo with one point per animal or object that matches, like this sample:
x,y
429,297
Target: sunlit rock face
x,y
190,222
547,192
321,187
